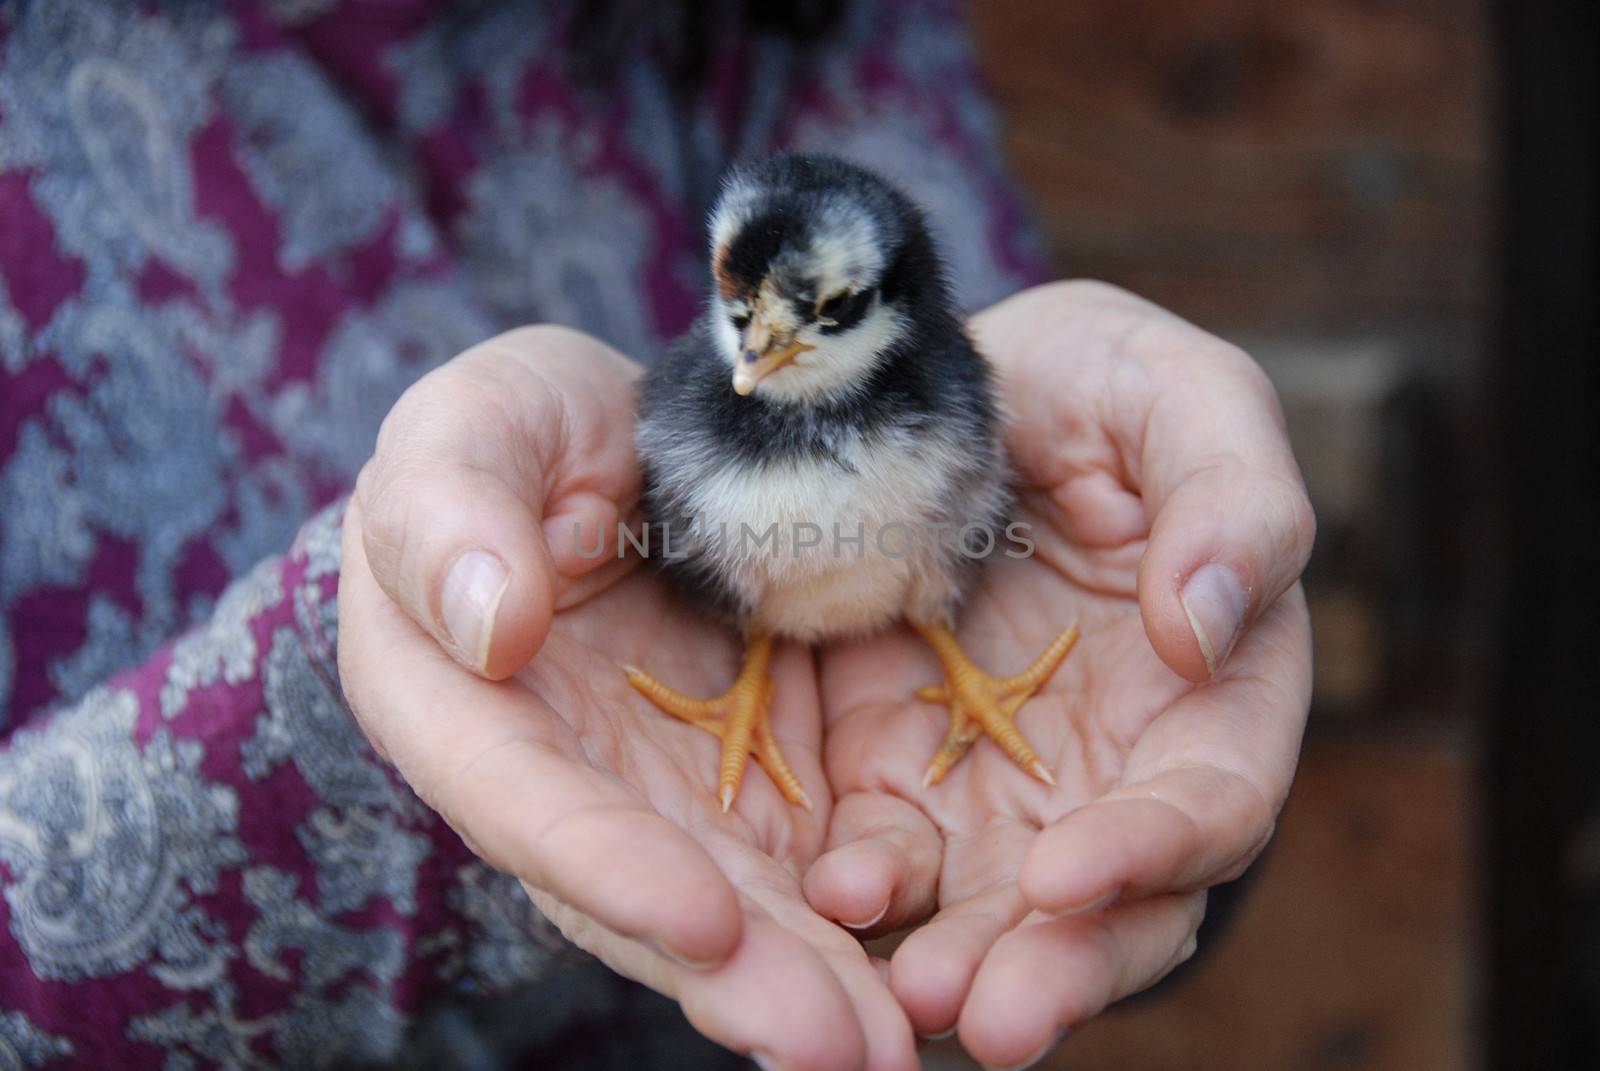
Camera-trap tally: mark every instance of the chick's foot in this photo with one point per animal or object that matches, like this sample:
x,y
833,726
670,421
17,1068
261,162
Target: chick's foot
x,y
739,718
982,704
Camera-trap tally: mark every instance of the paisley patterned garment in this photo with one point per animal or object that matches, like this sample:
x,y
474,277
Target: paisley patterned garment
x,y
230,236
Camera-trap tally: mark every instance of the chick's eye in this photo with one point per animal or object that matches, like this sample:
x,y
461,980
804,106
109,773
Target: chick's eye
x,y
844,310
828,312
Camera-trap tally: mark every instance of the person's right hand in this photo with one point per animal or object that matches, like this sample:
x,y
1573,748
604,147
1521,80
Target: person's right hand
x,y
482,655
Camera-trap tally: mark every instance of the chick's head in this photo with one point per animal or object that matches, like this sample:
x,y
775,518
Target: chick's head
x,y
819,269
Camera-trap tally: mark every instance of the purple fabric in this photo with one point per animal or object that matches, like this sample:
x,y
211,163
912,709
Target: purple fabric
x,y
229,238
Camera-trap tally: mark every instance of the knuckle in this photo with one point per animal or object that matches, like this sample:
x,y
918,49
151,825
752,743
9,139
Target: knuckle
x,y
364,493
379,497
385,527
1087,290
411,408
1303,523
1248,371
1258,820
1251,852
1279,500
1298,518
1245,376
535,338
534,343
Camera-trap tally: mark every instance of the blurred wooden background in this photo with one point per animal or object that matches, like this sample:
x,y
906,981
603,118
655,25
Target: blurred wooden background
x,y
1320,164
1315,180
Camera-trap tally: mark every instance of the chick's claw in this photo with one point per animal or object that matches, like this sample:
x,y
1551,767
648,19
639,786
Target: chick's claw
x,y
982,704
739,718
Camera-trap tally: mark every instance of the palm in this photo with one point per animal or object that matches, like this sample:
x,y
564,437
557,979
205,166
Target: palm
x,y
577,684
561,773
1149,449
567,753
1084,721
1103,713
1163,786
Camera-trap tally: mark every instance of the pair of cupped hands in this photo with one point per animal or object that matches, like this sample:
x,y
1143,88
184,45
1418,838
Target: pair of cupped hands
x,y
482,644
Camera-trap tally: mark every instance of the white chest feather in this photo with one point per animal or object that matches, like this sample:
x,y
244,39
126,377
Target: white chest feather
x,y
826,547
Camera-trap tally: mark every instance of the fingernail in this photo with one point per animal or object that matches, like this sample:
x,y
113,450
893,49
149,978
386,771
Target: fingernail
x,y
472,591
1035,1058
765,1062
941,1036
867,925
1214,600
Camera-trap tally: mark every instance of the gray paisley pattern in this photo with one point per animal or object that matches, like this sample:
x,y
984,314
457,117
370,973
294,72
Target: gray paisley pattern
x,y
311,163
359,1027
109,842
8,660
592,234
306,725
230,237
102,103
328,951
14,351
111,629
372,356
361,856
224,648
511,941
316,613
114,840
148,462
23,1045
46,537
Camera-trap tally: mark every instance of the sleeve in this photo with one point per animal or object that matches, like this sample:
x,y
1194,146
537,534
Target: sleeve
x,y
203,862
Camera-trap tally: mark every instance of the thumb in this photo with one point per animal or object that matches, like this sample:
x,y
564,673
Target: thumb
x,y
1231,526
497,483
463,554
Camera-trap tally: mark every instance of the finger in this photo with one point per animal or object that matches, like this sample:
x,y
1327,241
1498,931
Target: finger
x,y
463,553
1182,831
778,1001
933,969
1096,510
586,547
1201,789
1163,416
881,870
1231,527
497,483
1050,975
774,999
890,1044
494,762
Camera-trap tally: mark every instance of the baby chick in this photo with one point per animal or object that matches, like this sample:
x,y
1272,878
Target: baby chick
x,y
822,453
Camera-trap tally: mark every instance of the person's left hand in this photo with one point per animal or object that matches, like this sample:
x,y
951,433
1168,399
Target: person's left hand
x,y
1172,526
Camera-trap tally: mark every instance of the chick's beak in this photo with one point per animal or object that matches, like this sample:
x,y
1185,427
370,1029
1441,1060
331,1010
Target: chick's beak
x,y
761,353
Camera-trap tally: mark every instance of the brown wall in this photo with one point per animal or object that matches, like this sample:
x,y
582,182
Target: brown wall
x,y
1256,163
